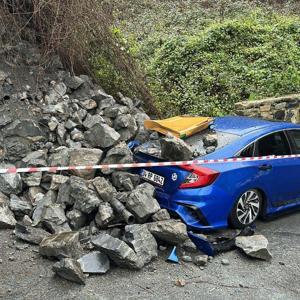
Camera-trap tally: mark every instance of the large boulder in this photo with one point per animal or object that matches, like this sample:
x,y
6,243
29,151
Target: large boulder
x,y
125,181
85,157
59,157
142,241
104,188
61,245
141,202
118,251
77,219
171,231
101,135
175,149
126,126
30,234
255,246
104,215
69,269
20,206
10,183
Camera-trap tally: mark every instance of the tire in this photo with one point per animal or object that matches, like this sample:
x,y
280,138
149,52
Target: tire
x,y
246,210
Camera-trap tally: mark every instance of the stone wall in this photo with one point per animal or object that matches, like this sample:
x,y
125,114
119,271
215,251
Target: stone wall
x,y
286,108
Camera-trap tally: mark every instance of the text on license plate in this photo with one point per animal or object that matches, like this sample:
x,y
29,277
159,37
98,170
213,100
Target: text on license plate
x,y
152,177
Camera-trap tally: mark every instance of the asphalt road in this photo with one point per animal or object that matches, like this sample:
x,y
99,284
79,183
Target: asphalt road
x,y
28,276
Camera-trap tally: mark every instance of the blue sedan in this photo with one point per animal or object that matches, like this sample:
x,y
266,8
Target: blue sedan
x,y
233,194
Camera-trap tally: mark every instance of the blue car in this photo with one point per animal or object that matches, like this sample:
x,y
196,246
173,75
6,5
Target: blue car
x,y
234,194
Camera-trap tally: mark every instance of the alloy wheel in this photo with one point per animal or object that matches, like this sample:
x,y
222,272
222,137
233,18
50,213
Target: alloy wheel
x,y
248,207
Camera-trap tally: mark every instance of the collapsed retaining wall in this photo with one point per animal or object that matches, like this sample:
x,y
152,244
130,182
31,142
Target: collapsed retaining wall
x,y
286,108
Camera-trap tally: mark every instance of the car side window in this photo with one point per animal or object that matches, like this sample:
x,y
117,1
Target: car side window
x,y
248,151
273,144
295,139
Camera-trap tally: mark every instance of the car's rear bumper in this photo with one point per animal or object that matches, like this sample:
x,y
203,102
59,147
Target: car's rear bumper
x,y
201,209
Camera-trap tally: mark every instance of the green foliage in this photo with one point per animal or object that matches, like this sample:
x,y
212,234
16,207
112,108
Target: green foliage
x,y
236,59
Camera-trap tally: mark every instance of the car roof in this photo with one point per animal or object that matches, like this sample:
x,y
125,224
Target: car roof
x,y
244,125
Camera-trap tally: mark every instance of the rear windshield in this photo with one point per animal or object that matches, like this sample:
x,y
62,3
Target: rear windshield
x,y
200,147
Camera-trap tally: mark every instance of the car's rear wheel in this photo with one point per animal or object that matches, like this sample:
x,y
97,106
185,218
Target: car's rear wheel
x,y
246,209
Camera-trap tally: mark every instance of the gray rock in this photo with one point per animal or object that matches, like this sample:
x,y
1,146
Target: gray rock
x,y
142,242
5,119
27,221
225,262
141,202
69,269
65,244
76,218
126,126
19,206
35,159
210,149
73,82
34,194
55,229
57,180
70,124
94,263
77,135
32,179
26,128
118,251
125,181
254,246
63,195
56,93
104,215
161,215
104,188
187,258
48,199
125,101
16,148
88,104
53,123
104,101
30,234
116,110
85,157
7,218
4,199
200,260
60,157
170,231
210,140
102,136
86,199
175,149
54,213
10,183
61,134
92,120
189,246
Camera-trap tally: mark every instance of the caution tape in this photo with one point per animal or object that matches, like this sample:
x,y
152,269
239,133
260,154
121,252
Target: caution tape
x,y
13,170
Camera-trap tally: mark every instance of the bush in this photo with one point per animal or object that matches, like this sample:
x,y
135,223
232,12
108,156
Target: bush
x,y
240,59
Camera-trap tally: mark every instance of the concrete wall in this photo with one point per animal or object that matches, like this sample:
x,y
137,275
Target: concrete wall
x,y
285,108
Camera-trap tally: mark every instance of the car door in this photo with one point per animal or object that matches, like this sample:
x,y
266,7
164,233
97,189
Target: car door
x,y
279,177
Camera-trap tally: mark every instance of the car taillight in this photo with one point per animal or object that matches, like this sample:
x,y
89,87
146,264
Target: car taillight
x,y
199,177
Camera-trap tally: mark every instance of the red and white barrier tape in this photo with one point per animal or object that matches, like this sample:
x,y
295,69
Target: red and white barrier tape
x,y
13,170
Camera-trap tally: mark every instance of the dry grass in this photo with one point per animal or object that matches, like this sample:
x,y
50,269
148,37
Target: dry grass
x,y
74,29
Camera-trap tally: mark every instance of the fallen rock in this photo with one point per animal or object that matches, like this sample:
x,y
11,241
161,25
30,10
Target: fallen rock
x,y
7,218
104,188
61,245
30,234
225,262
10,183
118,251
254,246
73,82
170,231
69,269
161,215
142,241
32,179
86,199
125,181
141,202
175,149
104,215
210,140
63,195
76,218
102,136
54,213
92,120
57,181
19,206
59,157
94,263
85,157
187,258
200,260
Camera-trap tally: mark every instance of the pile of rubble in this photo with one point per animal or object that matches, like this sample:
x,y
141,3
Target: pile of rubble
x,y
85,219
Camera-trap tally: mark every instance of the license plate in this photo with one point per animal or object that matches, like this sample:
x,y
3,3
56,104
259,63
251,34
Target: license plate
x,y
152,177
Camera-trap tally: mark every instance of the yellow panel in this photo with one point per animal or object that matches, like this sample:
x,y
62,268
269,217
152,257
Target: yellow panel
x,y
179,126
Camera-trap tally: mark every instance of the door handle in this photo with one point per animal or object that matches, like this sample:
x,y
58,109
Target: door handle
x,y
265,167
